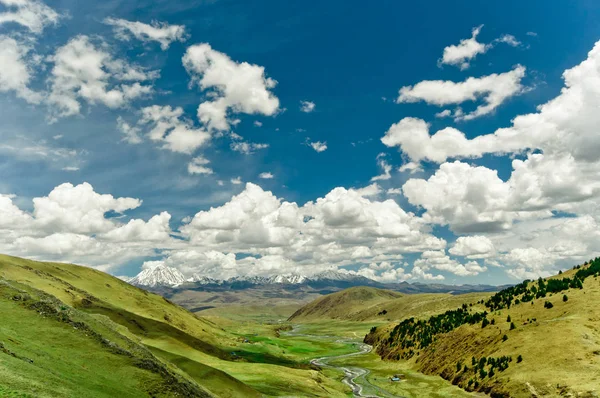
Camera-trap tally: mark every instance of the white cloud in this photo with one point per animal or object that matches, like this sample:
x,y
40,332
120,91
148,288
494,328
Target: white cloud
x,y
567,124
370,190
470,199
236,180
444,113
307,106
266,176
27,150
131,133
170,127
155,230
509,39
473,247
411,167
492,90
342,228
237,87
440,261
385,167
318,146
83,71
15,72
70,168
160,32
198,166
562,175
71,224
247,148
257,123
78,209
461,54
32,14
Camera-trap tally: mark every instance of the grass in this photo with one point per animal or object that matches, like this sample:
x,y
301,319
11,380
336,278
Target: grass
x,y
182,342
371,304
560,346
416,385
66,354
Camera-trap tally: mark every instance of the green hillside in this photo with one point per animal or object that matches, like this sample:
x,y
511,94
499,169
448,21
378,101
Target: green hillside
x,y
368,303
69,331
539,338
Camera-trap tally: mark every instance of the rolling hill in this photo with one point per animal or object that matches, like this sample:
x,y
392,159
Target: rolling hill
x,y
368,303
68,330
536,339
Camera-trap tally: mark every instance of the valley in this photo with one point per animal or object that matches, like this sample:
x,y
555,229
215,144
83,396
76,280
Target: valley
x,y
361,341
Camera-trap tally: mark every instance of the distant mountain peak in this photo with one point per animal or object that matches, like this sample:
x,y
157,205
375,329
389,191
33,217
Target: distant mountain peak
x,y
158,276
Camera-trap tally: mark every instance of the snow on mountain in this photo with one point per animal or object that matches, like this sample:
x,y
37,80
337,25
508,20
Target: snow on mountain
x,y
334,275
292,279
203,280
168,276
158,276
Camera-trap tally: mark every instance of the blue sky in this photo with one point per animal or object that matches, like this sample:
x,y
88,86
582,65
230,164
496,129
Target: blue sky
x,y
349,60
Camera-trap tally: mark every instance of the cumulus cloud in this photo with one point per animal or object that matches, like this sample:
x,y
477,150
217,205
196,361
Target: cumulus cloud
x,y
160,32
307,106
84,71
345,227
342,228
559,172
440,261
564,128
15,70
234,87
473,247
71,224
469,199
169,126
492,90
32,14
461,54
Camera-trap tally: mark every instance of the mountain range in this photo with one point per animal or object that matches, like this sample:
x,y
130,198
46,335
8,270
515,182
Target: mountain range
x,y
163,277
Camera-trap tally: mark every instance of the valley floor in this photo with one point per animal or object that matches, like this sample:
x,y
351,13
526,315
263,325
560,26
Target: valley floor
x,y
325,339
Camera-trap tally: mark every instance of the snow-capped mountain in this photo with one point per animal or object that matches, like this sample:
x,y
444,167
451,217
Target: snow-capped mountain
x,y
158,276
333,275
292,279
171,277
287,279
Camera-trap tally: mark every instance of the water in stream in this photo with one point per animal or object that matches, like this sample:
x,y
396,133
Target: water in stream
x,y
356,377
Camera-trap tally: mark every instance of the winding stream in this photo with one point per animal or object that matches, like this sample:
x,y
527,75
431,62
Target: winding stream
x,y
354,377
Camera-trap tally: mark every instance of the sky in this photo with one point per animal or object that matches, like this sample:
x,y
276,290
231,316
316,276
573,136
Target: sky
x,y
447,143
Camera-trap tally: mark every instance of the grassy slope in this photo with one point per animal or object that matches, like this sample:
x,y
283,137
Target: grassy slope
x,y
560,349
366,303
48,349
343,304
178,336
